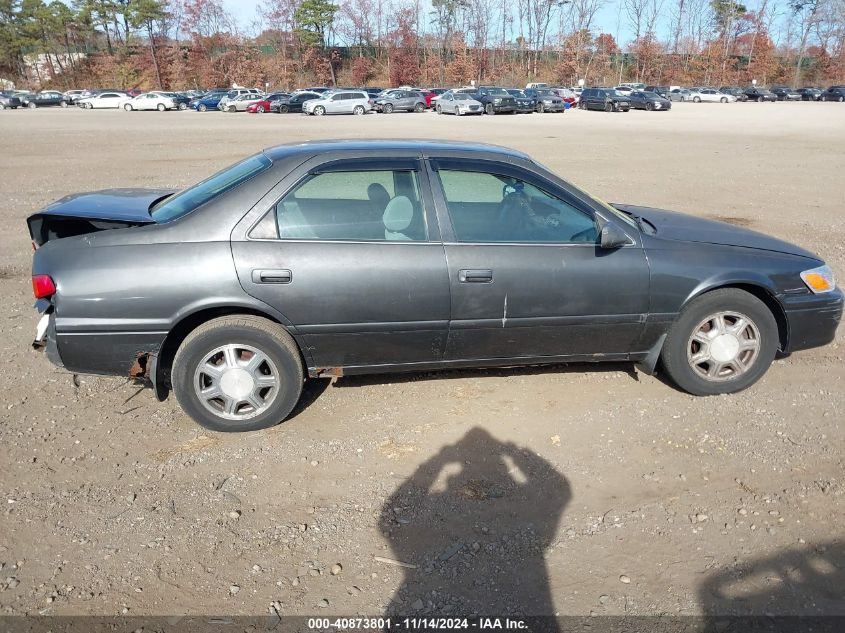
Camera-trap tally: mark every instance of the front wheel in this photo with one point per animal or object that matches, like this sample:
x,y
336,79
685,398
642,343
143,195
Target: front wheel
x,y
358,110
260,109
696,99
238,373
724,99
31,105
161,107
283,109
64,104
541,108
387,108
319,111
128,107
759,99
420,107
488,109
202,107
649,106
723,342
183,106
439,110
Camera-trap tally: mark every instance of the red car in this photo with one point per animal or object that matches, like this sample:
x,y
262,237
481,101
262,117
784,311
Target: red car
x,y
134,92
259,107
430,94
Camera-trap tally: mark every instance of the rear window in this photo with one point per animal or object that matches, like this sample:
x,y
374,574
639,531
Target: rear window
x,y
186,201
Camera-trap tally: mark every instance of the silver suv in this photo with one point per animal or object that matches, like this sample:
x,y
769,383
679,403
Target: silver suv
x,y
339,102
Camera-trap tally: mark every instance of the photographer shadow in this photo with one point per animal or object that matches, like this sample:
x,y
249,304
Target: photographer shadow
x,y
476,520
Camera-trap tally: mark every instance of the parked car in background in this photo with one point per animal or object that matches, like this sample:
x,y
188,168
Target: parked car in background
x,y
642,100
344,102
239,103
834,93
524,103
8,100
73,95
182,100
45,99
265,103
238,92
784,93
102,100
435,94
663,91
734,92
679,94
345,269
495,100
607,99
134,92
150,101
537,86
547,100
209,101
568,96
293,103
458,103
809,93
760,94
400,100
711,95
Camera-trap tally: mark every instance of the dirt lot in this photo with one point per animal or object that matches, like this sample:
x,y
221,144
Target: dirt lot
x,y
571,490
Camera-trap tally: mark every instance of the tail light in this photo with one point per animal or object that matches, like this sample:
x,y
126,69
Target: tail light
x,y
43,286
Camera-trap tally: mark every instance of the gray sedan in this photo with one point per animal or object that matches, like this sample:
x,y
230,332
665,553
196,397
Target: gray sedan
x,y
352,257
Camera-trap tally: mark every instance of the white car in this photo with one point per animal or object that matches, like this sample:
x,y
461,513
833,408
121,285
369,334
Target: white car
x,y
150,101
458,103
710,95
103,100
339,102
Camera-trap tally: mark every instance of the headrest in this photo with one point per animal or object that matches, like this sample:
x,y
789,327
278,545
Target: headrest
x,y
398,214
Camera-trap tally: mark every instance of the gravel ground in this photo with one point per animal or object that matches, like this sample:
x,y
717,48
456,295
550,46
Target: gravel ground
x,y
572,490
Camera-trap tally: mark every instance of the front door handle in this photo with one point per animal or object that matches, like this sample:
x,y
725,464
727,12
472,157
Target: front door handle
x,y
271,276
475,276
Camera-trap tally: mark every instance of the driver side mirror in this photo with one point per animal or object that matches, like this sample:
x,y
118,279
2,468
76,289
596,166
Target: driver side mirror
x,y
613,237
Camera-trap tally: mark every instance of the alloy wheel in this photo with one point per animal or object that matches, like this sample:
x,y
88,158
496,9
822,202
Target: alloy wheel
x,y
723,346
236,381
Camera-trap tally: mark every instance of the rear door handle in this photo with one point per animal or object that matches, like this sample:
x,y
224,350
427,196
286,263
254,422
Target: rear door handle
x,y
271,276
475,276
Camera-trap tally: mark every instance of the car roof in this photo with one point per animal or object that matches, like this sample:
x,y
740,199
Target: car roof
x,y
386,145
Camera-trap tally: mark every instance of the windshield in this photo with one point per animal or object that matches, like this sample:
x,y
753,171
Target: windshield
x,y
182,203
498,92
650,95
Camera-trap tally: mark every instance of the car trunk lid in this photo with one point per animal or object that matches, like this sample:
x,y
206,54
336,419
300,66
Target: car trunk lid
x,y
83,213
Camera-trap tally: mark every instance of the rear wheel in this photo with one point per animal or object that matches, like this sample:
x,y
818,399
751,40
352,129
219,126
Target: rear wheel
x,y
608,107
541,108
260,109
127,107
238,373
283,109
358,110
31,105
649,106
387,108
202,107
2,106
723,342
759,99
696,99
841,99
64,104
420,107
161,107
724,99
488,109
183,106
439,110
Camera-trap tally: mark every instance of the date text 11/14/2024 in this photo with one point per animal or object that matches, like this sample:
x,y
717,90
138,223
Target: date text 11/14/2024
x,y
416,624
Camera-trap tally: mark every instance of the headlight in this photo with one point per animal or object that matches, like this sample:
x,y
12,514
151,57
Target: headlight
x,y
819,280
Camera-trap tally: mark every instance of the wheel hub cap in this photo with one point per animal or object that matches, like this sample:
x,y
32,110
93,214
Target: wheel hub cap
x,y
236,382
724,346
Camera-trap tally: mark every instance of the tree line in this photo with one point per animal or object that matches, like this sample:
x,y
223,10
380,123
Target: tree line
x,y
184,44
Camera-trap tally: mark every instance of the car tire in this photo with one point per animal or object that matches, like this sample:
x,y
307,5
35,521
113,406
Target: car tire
x,y
608,107
358,110
183,106
161,107
438,109
231,109
2,106
685,358
233,335
387,108
283,109
723,100
696,99
319,111
260,109
488,109
760,99
64,104
202,107
841,99
541,108
127,107
649,106
31,105
420,107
